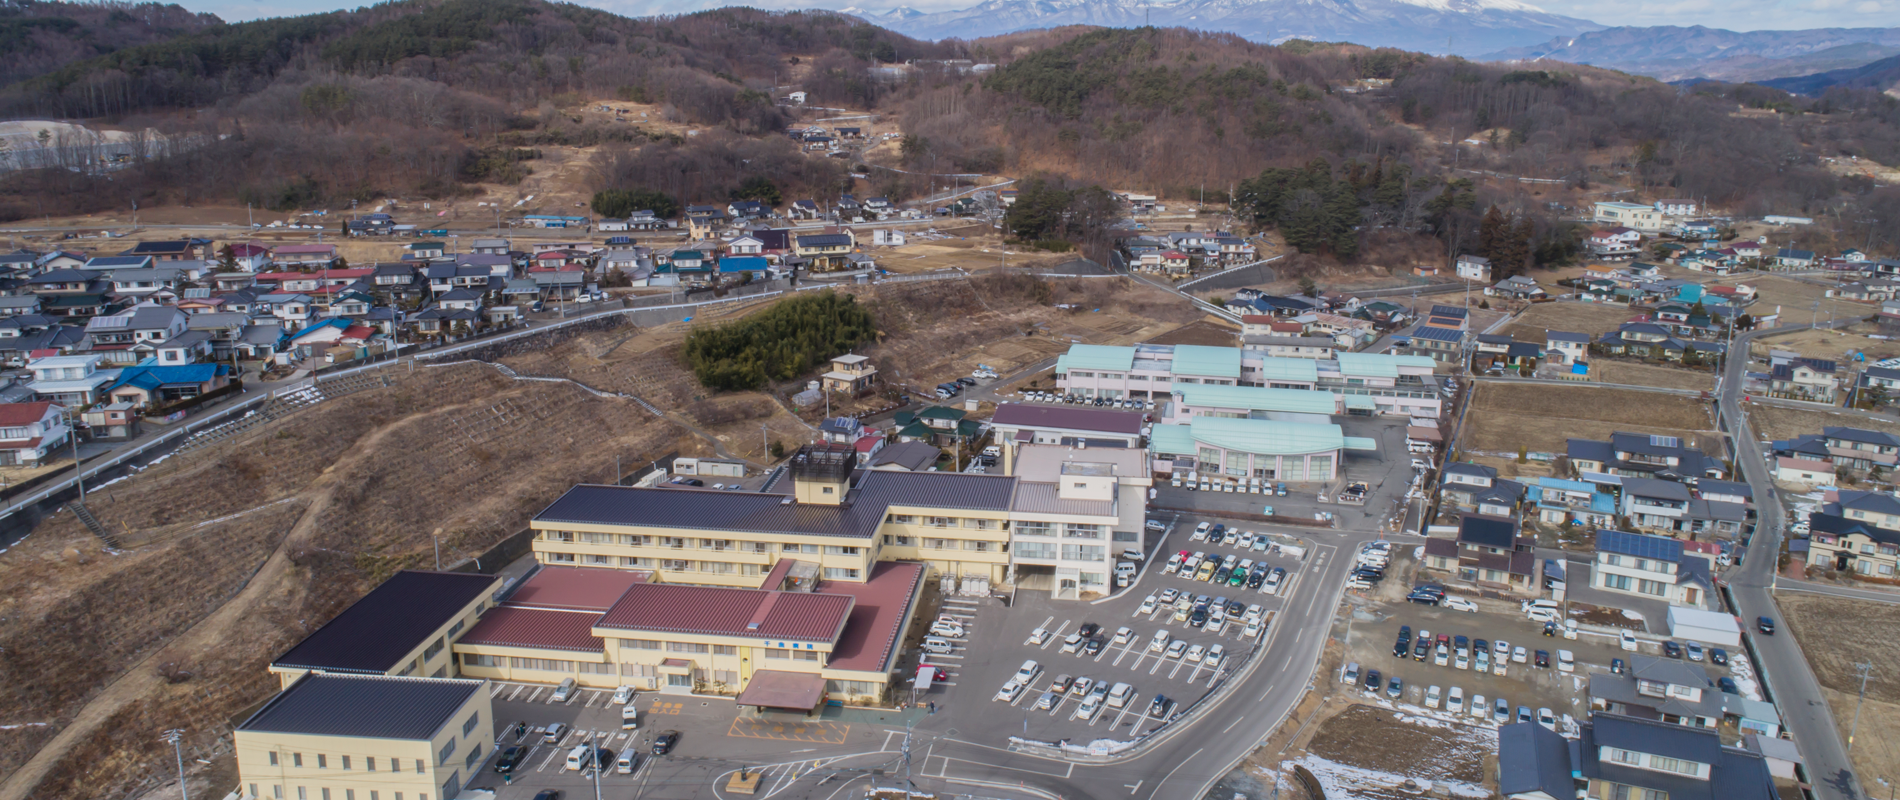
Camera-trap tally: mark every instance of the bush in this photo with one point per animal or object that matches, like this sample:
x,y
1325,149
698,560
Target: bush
x,y
621,202
790,338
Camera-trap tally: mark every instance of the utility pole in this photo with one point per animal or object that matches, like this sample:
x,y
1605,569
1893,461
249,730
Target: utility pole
x,y
79,474
438,549
1866,671
175,736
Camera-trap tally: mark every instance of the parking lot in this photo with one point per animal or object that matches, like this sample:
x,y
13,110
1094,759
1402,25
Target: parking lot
x,y
997,641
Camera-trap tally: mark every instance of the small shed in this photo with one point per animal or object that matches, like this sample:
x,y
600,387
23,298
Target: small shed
x,y
1707,627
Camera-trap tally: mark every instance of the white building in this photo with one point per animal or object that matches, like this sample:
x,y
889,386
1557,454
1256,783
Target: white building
x,y
1629,215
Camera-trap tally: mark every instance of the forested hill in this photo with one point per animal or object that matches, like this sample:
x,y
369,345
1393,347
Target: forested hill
x,y
511,50
39,37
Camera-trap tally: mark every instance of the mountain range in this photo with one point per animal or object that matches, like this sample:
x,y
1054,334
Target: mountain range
x,y
1492,30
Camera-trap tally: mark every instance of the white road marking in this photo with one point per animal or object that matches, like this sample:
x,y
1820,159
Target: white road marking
x,y
537,693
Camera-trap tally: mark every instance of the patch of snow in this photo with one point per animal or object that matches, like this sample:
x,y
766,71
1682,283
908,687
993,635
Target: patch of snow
x,y
1340,780
1635,615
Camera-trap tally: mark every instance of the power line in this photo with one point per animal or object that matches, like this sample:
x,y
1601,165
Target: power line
x,y
1866,671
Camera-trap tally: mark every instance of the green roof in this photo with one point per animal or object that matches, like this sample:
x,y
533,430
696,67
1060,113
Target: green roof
x,y
1379,365
1195,359
426,246
1255,398
1360,402
1097,356
1295,370
1362,443
941,412
1258,436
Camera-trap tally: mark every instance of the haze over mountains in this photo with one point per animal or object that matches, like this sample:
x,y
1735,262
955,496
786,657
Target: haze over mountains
x,y
1483,29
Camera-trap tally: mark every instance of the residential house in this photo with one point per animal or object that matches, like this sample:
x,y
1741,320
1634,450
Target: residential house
x,y
1656,567
31,433
185,348
1489,554
907,456
117,422
939,425
1437,343
1562,501
1516,287
1643,456
1677,207
305,256
1667,690
1811,379
141,283
17,305
1794,259
145,386
179,250
1618,757
1615,243
1564,347
1473,268
825,252
71,381
1858,533
1859,449
1475,487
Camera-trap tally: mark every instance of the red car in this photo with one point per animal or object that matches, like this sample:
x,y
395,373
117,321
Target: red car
x,y
1444,639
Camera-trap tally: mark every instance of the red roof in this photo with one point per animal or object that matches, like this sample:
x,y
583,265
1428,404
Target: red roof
x,y
14,414
1255,319
877,618
754,613
536,627
574,588
358,332
869,440
1287,327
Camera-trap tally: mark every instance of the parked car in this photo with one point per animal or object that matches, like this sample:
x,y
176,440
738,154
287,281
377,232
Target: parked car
x,y
1718,656
1372,681
1765,625
1694,651
665,742
1671,649
1543,659
1728,685
510,758
1395,688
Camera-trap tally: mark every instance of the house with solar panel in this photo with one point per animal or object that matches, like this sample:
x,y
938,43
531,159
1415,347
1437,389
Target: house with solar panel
x,y
1655,567
1619,757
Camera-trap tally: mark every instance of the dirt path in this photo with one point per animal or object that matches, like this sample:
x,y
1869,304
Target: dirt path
x,y
137,681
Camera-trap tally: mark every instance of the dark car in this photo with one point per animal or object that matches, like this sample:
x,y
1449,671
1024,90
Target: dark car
x,y
1550,629
1431,589
664,743
1159,707
1395,688
1718,656
1671,649
1405,631
1460,642
1480,646
1094,646
510,758
1089,629
1218,530
1372,681
1236,608
1425,599
1258,577
1616,666
603,759
1728,685
1421,650
695,482
1401,648
1765,625
548,794
1543,658
1198,618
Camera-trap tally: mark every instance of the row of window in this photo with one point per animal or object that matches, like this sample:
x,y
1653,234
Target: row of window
x,y
930,543
323,793
1640,586
973,523
686,542
369,762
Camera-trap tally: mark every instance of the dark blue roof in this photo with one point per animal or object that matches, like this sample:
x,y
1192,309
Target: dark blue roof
x,y
1487,531
1437,334
1661,548
1532,758
824,240
1450,311
1657,738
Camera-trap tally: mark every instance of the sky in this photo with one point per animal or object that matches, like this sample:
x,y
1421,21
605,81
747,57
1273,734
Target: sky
x,y
1737,15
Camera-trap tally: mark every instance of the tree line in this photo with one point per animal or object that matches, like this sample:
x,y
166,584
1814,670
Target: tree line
x,y
793,337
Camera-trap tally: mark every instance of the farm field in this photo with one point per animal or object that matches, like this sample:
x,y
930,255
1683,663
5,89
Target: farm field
x,y
1833,345
1780,422
1800,301
1539,418
1590,318
1636,373
1818,622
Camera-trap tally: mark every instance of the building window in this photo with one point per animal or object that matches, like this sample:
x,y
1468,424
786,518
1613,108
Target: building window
x,y
467,727
369,763
1622,756
639,644
936,544
477,660
273,758
840,573
725,649
323,762
903,519
675,565
560,558
940,522
1075,531
346,762
326,792
541,664
839,550
978,546
599,561
296,759
474,757
1035,529
419,768
687,647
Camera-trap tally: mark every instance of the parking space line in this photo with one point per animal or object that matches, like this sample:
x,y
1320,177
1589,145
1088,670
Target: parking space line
x,y
591,698
537,693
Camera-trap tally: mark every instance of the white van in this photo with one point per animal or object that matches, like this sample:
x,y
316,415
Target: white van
x,y
1120,695
564,691
937,646
624,765
629,718
1159,642
555,733
577,758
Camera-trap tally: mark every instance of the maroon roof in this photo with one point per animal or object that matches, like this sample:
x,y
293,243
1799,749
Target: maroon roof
x,y
579,588
1100,420
21,414
772,688
877,619
755,613
776,578
536,627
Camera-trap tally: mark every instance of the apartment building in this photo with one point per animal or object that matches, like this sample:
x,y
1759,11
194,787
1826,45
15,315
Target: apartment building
x,y
1646,219
403,627
1368,383
365,737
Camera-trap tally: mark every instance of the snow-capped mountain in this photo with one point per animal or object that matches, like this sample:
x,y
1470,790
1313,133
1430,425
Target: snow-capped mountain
x,y
1463,27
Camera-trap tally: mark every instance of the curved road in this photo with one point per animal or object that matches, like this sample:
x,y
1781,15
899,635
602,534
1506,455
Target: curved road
x,y
1796,692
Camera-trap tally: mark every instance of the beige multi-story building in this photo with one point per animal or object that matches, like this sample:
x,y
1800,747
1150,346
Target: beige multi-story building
x,y
402,627
365,737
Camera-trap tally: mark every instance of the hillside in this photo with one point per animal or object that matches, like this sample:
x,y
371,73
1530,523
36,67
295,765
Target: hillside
x,y
1880,76
38,37
1672,53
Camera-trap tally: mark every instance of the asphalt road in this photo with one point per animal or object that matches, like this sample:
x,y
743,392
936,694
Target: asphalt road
x,y
1797,693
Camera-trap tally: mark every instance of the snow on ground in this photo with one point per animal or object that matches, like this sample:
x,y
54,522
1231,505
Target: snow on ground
x,y
1340,780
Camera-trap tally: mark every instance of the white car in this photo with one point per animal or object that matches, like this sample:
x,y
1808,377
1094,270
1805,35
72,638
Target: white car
x,y
1455,701
1254,613
1196,652
1072,644
942,628
1460,604
1431,696
1478,706
1628,640
1547,719
1037,638
1519,654
1168,595
1124,569
622,695
1156,525
1147,606
1214,656
1502,649
1462,661
1010,691
1174,564
1176,650
1200,532
1124,635
1132,554
1566,661
1246,541
1442,657
1541,614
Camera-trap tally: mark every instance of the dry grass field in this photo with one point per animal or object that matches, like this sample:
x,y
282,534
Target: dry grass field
x,y
1590,318
1818,623
1778,422
1833,345
1635,373
107,647
1800,301
1538,417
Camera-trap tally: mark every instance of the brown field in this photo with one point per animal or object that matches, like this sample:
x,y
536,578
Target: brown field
x,y
1778,422
176,627
1210,331
1797,301
1818,622
1591,318
1636,373
1538,418
1832,345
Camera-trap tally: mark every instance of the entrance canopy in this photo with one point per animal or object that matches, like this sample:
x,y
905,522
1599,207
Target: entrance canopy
x,y
799,691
